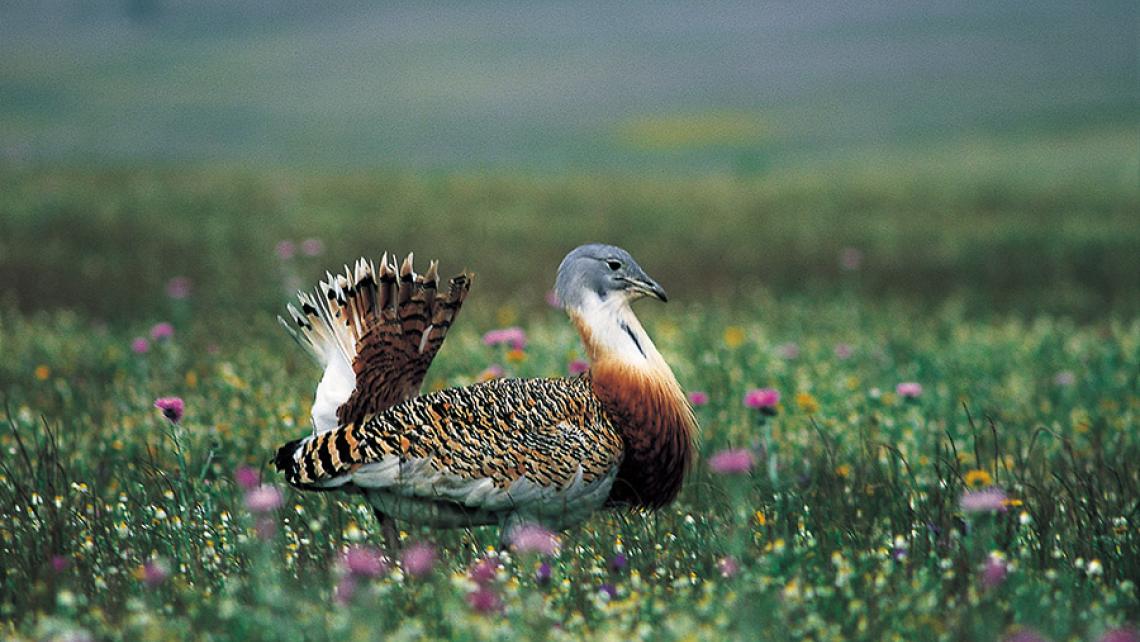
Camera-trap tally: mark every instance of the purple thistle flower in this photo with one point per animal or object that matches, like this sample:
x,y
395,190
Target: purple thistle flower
x,y
534,538
312,247
418,559
247,477
285,250
155,572
994,571
364,561
178,288
733,461
263,499
484,600
988,500
344,590
59,563
909,390
608,589
618,562
515,337
160,331
578,366
1121,635
698,398
484,570
728,566
762,399
140,345
172,408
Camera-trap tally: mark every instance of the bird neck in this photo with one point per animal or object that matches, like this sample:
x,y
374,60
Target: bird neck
x,y
643,400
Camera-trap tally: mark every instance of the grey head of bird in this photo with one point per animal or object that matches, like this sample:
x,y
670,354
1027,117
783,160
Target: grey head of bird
x,y
591,274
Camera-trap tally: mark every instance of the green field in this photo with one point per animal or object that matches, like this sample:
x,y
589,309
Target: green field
x,y
999,276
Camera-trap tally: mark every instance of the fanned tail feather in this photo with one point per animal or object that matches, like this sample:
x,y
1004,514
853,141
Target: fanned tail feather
x,y
375,333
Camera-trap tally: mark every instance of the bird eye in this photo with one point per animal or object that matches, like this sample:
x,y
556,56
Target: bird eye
x,y
614,265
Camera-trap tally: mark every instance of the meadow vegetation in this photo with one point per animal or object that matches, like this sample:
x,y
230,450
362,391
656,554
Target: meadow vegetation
x,y
997,497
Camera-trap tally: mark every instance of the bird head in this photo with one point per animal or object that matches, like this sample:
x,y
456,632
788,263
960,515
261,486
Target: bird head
x,y
602,271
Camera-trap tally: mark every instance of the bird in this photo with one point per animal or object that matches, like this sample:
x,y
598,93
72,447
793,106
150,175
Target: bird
x,y
509,452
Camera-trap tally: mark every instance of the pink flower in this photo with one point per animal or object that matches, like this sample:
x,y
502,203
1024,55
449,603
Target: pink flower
x,y
788,350
155,572
139,345
578,366
552,299
364,561
160,331
843,351
178,288
988,500
1121,635
247,477
285,250
515,337
59,563
312,247
342,593
533,538
909,390
418,559
484,600
484,570
994,571
263,499
761,398
698,398
727,566
171,407
731,462
850,259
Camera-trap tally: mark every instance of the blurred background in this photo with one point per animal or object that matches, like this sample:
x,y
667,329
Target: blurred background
x,y
985,150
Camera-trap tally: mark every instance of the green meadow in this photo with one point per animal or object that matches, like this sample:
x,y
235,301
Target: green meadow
x,y
999,498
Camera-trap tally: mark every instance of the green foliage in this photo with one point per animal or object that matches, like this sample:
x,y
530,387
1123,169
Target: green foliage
x,y
857,533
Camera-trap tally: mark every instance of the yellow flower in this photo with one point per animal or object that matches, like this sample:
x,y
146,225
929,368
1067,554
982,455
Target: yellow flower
x,y
191,379
1012,501
760,518
843,470
978,479
42,372
733,336
807,402
516,356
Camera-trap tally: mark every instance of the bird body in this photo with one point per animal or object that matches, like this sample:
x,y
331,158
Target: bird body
x,y
506,451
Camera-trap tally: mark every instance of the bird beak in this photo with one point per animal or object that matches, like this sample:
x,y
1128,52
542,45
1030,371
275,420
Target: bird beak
x,y
647,286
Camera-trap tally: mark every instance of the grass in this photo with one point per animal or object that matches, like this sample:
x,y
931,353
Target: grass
x,y
855,530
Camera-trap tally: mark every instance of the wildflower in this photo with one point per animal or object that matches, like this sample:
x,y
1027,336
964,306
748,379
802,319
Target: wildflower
x,y
542,575
731,461
578,366
160,331
762,399
698,398
1095,567
178,288
727,566
42,372
312,247
1064,379
843,470
514,336
983,501
761,519
59,563
139,345
533,538
1121,635
618,562
171,407
609,590
788,351
484,570
344,590
484,600
807,403
155,572
850,259
516,355
285,249
247,478
994,571
552,299
263,499
364,561
843,351
493,371
978,479
733,336
908,390
418,559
